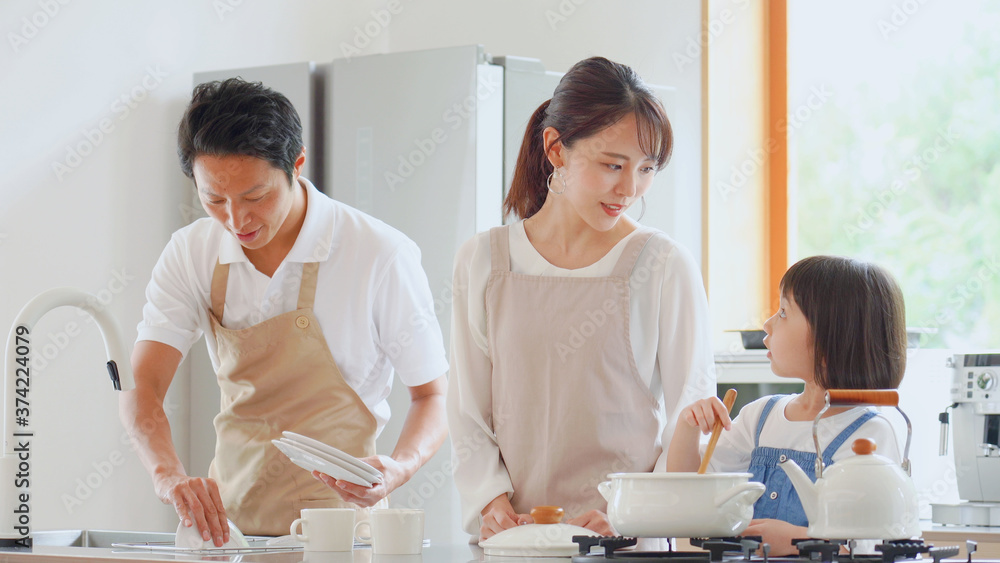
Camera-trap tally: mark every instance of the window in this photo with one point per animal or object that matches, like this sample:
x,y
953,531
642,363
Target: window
x,y
894,151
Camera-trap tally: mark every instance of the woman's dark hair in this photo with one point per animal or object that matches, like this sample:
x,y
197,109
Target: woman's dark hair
x,y
857,318
592,96
236,117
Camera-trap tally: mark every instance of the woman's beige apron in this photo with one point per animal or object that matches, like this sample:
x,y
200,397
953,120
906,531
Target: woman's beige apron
x,y
569,406
275,376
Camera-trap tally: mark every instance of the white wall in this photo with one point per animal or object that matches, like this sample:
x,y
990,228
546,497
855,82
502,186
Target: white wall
x,y
100,222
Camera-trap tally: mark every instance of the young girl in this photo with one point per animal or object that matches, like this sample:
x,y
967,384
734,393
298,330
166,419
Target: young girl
x,y
575,331
840,325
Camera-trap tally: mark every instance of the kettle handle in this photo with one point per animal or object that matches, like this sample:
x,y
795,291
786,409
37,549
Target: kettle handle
x,y
875,397
862,397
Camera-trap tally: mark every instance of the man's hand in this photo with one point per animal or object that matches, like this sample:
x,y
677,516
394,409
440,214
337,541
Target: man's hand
x,y
423,431
393,475
197,503
196,500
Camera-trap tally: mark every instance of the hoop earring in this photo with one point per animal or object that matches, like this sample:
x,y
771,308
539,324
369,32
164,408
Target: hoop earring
x,y
643,212
548,181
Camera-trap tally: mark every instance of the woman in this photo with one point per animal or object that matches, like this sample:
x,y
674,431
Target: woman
x,y
577,333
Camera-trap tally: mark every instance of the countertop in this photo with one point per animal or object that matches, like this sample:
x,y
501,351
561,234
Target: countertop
x,y
457,553
988,538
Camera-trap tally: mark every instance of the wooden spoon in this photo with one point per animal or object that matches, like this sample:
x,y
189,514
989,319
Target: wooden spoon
x,y
729,399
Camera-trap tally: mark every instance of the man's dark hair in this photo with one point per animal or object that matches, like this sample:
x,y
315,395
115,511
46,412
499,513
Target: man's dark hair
x,y
236,117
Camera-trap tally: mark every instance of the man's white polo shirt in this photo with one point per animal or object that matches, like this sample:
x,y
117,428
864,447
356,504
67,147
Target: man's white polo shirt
x,y
373,301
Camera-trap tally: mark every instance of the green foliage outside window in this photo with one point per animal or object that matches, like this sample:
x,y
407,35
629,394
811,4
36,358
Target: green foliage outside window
x,y
911,180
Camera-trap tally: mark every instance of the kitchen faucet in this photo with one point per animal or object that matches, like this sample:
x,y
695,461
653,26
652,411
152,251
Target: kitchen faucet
x,y
15,464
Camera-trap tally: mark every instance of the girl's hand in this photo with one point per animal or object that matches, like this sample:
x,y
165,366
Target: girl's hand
x,y
703,414
682,455
778,533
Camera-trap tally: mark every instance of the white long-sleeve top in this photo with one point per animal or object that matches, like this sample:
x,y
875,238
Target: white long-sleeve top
x,y
669,330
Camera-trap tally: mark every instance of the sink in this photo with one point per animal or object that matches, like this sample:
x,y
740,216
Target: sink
x,y
96,538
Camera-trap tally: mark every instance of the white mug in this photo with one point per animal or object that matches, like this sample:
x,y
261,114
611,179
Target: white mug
x,y
393,531
325,529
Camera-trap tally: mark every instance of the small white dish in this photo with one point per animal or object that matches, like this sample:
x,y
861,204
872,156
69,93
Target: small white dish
x,y
284,541
332,451
190,538
311,462
366,475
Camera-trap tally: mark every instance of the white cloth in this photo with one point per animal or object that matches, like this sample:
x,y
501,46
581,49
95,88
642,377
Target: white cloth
x,y
373,301
732,452
669,331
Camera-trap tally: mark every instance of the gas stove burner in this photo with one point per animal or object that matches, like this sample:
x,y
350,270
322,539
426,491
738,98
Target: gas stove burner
x,y
819,550
890,551
612,544
717,550
719,547
909,549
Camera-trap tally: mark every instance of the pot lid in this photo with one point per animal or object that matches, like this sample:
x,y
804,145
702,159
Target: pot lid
x,y
536,540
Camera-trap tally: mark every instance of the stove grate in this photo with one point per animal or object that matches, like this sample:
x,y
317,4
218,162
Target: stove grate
x,y
717,550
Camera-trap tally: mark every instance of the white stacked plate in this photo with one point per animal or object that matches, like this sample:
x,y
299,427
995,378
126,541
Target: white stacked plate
x,y
312,455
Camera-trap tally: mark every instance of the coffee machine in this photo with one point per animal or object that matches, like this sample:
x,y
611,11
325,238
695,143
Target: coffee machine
x,y
975,421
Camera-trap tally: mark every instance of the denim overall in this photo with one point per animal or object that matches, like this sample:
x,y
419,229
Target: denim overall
x,y
780,501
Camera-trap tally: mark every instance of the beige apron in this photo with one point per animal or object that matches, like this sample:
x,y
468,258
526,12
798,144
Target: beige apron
x,y
569,406
279,375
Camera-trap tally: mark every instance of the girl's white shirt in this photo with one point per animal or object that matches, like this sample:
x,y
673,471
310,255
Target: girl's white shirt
x,y
732,452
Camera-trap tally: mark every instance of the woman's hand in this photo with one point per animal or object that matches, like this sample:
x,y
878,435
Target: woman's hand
x,y
393,475
703,414
778,533
499,515
596,521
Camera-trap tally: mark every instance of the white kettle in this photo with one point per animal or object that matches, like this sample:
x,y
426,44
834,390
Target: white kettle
x,y
866,496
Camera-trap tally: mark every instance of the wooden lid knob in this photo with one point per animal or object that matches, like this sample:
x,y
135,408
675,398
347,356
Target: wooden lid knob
x,y
547,514
863,446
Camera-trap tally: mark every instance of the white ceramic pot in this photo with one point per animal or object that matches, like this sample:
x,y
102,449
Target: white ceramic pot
x,y
680,505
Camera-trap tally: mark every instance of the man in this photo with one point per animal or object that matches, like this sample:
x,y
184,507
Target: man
x,y
307,305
